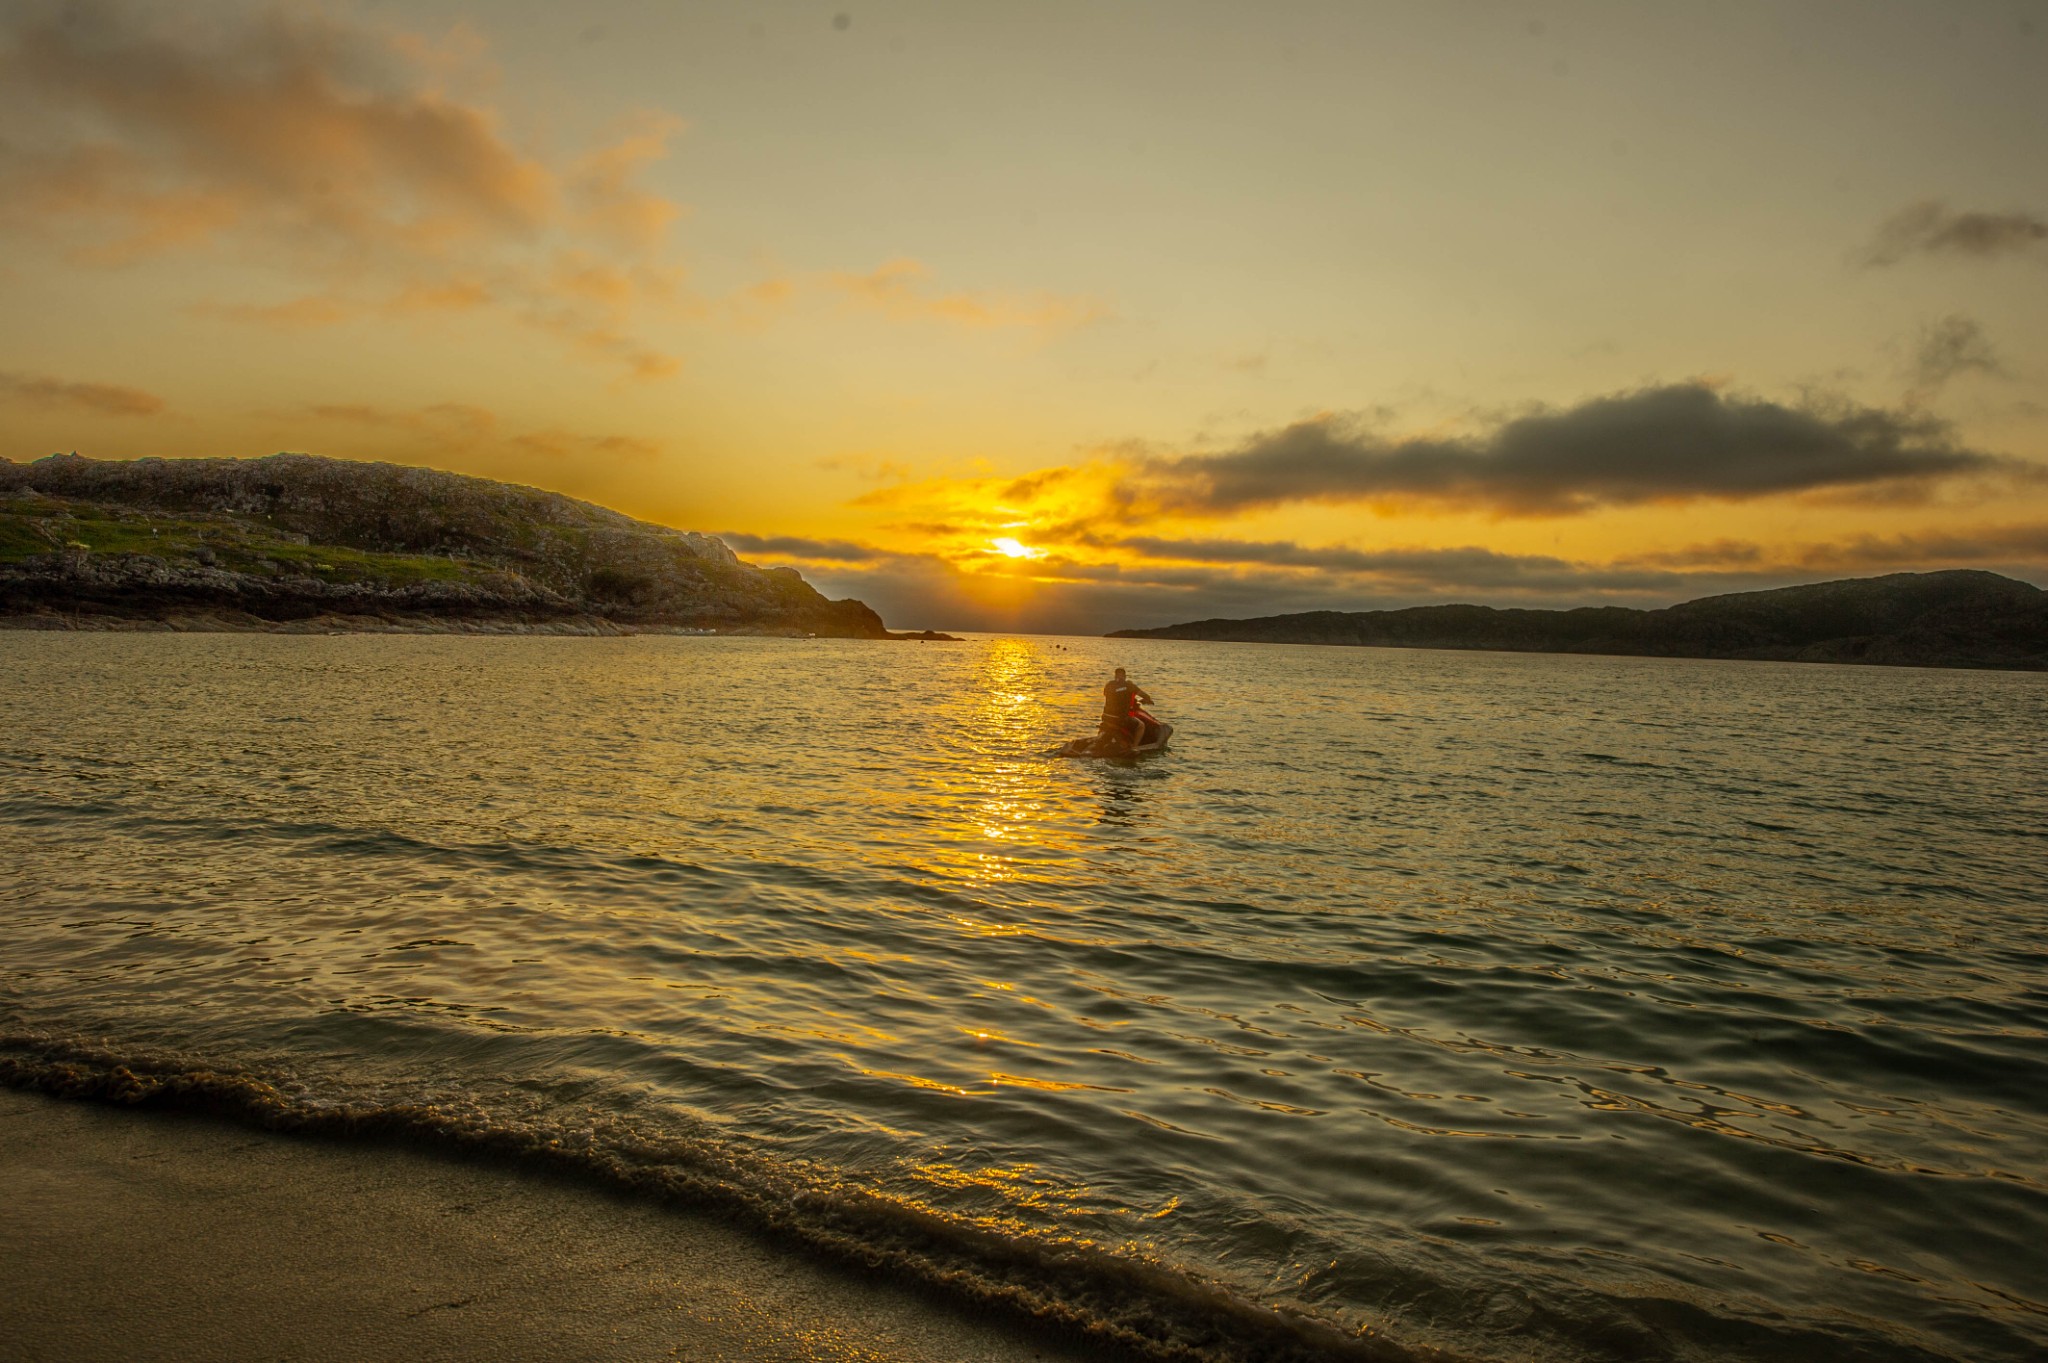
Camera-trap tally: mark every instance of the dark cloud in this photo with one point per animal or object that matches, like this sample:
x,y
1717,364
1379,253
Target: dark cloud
x,y
794,546
1929,228
1469,567
1106,597
1952,346
2019,548
1716,553
1171,580
103,399
1159,581
1682,442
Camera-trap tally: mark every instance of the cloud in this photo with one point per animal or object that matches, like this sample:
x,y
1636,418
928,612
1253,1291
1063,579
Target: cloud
x,y
101,399
870,468
1929,228
1108,560
447,421
302,125
296,314
1682,442
1467,567
557,444
610,203
898,290
806,550
1096,582
356,163
1952,346
2013,546
340,156
1068,597
461,427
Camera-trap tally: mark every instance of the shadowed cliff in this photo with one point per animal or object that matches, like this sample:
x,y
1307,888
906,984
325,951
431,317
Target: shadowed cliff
x,y
1962,618
231,542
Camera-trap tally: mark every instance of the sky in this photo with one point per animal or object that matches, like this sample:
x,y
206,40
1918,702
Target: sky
x,y
1070,317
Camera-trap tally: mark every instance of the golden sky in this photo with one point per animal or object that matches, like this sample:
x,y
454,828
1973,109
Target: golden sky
x,y
1076,316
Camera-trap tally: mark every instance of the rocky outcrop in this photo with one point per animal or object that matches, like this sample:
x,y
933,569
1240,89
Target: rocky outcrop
x,y
293,536
1962,618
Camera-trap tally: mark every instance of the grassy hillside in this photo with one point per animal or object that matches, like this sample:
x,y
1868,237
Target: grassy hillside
x,y
294,536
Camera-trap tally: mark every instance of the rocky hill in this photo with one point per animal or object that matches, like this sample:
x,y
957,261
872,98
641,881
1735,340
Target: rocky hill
x,y
248,543
1949,619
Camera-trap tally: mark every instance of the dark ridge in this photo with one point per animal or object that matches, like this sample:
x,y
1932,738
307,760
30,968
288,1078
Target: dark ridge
x,y
1125,1308
1960,618
294,537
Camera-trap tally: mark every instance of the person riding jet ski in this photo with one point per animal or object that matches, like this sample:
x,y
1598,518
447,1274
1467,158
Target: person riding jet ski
x,y
1121,698
1126,730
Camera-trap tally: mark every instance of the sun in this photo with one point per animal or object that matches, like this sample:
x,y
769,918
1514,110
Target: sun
x,y
1010,548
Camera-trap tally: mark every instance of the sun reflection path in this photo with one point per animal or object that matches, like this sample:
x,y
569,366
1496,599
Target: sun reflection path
x,y
1011,712
998,819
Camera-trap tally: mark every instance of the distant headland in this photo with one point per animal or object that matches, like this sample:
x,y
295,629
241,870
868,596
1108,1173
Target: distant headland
x,y
298,542
1963,618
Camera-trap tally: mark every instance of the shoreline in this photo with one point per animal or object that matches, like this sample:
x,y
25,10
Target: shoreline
x,y
574,626
139,1235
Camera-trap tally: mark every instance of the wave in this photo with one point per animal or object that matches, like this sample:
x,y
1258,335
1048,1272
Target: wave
x,y
1137,1309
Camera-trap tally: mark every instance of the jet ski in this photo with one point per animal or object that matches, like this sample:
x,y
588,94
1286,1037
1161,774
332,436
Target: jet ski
x,y
1112,741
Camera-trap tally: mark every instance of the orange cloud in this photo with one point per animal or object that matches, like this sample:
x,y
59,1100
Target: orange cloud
x,y
41,190
441,295
871,468
456,422
314,310
562,445
608,201
898,290
326,310
585,307
455,427
103,399
332,153
268,128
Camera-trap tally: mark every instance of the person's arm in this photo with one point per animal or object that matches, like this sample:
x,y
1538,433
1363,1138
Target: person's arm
x,y
1144,698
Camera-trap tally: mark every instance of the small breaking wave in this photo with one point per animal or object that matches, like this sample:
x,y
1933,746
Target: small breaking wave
x,y
1138,1309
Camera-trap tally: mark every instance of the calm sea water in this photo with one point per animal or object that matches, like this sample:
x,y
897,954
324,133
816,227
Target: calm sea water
x,y
1519,1006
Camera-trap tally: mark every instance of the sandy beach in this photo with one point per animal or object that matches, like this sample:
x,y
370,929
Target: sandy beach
x,y
139,1235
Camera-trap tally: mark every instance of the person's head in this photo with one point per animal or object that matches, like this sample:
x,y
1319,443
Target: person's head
x,y
1119,674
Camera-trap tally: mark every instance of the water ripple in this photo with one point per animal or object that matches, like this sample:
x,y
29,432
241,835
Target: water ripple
x,y
1552,1007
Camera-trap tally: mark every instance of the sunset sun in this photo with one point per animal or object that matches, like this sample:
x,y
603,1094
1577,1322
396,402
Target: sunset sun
x,y
1010,548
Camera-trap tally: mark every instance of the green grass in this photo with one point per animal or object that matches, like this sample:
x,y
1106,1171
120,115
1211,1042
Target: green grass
x,y
117,536
237,545
335,564
19,540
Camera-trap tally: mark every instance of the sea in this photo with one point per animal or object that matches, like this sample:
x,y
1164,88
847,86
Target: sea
x,y
1413,1005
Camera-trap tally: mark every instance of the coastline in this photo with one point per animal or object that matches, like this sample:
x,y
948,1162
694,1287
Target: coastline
x,y
241,622
138,1235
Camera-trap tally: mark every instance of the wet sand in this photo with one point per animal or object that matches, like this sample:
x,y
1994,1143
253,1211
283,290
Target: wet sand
x,y
137,1236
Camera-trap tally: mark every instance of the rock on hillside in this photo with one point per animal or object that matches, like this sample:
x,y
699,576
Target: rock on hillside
x,y
295,535
1961,618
